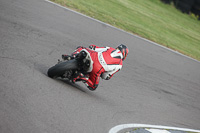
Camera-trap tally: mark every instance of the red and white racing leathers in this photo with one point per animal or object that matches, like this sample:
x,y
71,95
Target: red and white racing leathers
x,y
105,62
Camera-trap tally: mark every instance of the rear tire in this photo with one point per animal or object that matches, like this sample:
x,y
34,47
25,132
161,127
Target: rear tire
x,y
59,69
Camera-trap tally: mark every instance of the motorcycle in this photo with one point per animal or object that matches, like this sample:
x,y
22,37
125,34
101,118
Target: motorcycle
x,y
69,69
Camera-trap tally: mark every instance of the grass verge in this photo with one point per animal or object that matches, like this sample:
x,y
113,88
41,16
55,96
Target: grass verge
x,y
150,19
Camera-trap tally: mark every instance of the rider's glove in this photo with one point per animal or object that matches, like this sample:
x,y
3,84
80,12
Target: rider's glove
x,y
93,47
108,77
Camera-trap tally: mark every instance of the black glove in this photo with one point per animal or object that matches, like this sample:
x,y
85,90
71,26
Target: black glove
x,y
108,77
93,47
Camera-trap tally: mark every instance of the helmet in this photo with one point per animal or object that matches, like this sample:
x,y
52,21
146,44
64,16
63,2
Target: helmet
x,y
124,50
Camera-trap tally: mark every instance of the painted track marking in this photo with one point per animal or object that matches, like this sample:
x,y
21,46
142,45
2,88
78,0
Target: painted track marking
x,y
118,128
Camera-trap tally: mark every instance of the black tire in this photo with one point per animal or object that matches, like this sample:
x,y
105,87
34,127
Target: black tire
x,y
59,69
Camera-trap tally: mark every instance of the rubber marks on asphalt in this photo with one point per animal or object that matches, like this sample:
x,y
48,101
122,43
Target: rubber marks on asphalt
x,y
144,128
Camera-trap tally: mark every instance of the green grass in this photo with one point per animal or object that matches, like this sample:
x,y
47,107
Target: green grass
x,y
150,19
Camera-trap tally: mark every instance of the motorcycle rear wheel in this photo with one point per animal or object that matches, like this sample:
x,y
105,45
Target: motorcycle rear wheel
x,y
60,69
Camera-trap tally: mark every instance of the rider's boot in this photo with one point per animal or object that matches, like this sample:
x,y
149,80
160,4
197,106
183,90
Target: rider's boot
x,y
80,77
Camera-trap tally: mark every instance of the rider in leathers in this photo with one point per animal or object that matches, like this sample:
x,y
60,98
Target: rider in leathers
x,y
105,62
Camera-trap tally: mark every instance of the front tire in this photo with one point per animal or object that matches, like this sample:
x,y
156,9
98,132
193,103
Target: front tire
x,y
59,69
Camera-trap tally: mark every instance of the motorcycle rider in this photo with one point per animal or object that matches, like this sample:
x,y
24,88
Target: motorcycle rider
x,y
105,62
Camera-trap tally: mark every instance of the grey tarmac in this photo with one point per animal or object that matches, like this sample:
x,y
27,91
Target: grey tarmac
x,y
155,86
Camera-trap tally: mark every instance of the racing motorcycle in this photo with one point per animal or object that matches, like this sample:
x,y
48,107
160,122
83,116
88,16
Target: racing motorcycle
x,y
70,68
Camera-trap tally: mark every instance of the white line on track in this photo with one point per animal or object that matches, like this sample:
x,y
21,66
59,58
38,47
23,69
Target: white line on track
x,y
122,30
118,128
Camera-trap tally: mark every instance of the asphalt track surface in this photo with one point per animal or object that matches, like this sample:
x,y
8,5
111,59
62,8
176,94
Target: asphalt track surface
x,y
155,86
